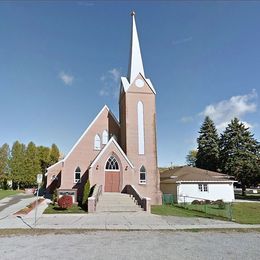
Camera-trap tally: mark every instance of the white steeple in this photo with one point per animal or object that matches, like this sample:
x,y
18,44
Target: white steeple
x,y
135,62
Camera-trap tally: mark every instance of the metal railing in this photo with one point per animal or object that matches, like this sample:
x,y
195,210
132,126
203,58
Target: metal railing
x,y
129,189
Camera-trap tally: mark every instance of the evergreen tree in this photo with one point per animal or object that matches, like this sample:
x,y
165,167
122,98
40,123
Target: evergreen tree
x,y
32,165
54,154
208,146
17,160
239,154
191,158
4,164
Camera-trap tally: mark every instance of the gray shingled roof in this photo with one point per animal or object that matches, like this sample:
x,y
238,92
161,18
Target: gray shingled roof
x,y
187,173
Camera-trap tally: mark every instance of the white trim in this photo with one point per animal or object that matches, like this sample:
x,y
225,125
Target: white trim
x,y
112,139
92,123
126,85
55,164
149,83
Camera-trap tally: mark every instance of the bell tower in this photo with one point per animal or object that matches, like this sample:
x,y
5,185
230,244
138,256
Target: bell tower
x,y
138,122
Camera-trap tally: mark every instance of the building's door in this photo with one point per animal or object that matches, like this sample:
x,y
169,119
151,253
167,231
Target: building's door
x,y
112,181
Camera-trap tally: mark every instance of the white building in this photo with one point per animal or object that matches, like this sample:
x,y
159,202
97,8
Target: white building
x,y
190,183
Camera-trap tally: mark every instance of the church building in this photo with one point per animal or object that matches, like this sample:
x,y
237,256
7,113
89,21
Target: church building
x,y
115,153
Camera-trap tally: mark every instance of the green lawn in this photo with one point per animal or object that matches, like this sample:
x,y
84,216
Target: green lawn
x,y
6,193
56,210
244,213
169,210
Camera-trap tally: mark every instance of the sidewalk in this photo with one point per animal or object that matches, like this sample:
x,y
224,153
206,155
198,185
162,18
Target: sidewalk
x,y
115,221
111,221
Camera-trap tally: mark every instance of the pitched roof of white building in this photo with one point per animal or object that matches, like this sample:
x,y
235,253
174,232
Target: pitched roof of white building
x,y
192,174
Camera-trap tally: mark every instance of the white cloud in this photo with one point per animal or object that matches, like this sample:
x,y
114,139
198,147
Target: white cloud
x,y
187,119
115,74
110,83
66,78
237,106
183,40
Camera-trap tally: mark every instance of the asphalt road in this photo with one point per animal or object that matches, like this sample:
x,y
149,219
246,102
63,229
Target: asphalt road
x,y
133,245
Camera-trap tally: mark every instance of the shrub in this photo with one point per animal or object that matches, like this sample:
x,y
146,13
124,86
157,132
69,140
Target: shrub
x,y
86,193
65,202
207,202
195,202
54,196
220,203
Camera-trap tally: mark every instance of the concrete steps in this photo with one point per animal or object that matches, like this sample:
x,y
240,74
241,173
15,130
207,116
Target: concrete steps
x,y
116,202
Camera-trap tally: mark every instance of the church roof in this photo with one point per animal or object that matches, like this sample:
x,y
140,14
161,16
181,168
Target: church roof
x,y
85,132
112,140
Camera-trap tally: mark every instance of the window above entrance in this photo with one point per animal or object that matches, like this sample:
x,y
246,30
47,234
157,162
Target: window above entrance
x,y
112,163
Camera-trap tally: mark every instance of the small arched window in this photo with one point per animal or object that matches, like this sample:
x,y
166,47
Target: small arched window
x,y
77,175
97,142
142,177
105,137
112,163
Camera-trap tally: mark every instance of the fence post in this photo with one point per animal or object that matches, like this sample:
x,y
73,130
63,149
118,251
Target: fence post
x,y
230,211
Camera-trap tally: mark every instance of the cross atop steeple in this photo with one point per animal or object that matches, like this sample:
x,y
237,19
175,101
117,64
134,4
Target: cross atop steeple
x,y
135,62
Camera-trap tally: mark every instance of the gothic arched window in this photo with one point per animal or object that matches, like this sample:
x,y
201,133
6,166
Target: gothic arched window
x,y
112,163
97,142
105,137
142,177
77,175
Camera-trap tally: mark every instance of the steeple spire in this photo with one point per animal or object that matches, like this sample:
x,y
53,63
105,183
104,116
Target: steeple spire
x,y
135,62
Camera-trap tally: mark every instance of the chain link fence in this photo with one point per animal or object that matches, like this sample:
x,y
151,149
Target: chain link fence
x,y
215,208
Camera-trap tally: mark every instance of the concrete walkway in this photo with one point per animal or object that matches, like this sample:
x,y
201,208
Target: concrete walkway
x,y
111,221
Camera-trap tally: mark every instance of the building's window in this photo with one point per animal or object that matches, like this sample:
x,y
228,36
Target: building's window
x,y
142,179
140,118
77,175
105,137
112,163
203,187
97,142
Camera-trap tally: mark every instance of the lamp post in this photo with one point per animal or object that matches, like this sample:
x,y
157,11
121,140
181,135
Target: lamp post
x,y
39,181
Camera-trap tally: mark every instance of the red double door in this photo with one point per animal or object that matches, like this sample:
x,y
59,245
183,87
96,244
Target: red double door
x,y
112,181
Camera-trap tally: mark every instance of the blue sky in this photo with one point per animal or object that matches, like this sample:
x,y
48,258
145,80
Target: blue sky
x,y
60,63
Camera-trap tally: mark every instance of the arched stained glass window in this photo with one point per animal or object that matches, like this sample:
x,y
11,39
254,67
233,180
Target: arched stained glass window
x,y
97,142
142,178
105,137
77,175
112,163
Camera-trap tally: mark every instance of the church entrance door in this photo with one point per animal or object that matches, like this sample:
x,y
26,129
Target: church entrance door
x,y
112,181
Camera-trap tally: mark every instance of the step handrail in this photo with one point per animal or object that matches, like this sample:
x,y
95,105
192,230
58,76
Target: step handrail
x,y
93,200
142,201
